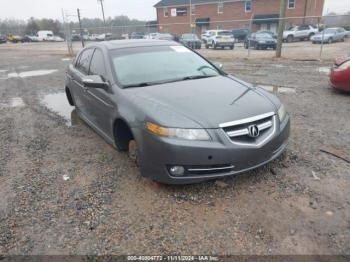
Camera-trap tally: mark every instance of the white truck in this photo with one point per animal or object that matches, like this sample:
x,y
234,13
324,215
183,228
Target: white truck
x,y
301,32
45,35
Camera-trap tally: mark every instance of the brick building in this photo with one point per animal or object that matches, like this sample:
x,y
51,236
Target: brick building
x,y
174,16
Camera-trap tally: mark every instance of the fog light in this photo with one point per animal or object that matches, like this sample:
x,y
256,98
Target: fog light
x,y
177,170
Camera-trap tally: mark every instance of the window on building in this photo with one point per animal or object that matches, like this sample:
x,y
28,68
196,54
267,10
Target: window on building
x,y
193,9
291,4
166,11
181,11
248,6
220,7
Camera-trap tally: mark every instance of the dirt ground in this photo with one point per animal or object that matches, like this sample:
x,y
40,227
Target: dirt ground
x,y
65,191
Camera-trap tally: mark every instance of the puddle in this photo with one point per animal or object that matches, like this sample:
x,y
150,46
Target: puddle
x,y
278,89
31,73
58,104
325,70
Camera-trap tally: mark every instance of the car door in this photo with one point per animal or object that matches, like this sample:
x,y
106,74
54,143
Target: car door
x,y
101,106
78,72
301,32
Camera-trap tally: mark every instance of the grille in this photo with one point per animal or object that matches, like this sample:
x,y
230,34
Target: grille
x,y
238,131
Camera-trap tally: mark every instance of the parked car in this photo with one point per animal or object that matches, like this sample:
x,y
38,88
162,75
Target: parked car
x,y
164,36
3,39
329,35
14,38
137,35
75,37
301,32
191,40
260,41
206,35
220,38
181,122
240,34
340,74
272,34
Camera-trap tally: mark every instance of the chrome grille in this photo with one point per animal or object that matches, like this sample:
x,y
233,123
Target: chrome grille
x,y
238,131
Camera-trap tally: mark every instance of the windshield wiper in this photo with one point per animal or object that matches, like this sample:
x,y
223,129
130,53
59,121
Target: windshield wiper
x,y
142,84
196,77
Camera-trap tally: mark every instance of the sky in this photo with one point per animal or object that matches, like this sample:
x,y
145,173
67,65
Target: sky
x,y
140,9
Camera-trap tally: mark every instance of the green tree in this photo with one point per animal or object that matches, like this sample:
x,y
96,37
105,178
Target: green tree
x,y
32,27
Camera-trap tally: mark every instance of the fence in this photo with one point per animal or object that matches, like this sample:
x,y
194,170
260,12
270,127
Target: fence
x,y
311,40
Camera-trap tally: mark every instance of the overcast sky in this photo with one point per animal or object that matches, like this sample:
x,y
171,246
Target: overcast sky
x,y
141,9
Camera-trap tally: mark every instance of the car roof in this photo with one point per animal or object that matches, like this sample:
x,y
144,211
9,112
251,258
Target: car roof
x,y
118,44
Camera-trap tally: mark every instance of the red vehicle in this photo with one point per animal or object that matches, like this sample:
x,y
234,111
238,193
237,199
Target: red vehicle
x,y
340,74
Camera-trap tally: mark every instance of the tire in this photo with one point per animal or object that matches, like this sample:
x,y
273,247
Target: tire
x,y
330,40
343,39
310,35
214,46
232,47
69,97
290,39
206,46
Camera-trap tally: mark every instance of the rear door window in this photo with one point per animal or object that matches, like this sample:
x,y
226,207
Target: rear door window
x,y
97,66
84,62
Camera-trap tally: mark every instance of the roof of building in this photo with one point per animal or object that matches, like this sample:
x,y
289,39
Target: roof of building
x,y
117,44
163,3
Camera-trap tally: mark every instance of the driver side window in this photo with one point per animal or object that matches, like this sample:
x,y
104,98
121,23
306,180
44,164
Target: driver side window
x,y
97,66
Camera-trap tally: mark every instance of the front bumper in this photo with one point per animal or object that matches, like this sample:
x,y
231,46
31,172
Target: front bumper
x,y
157,154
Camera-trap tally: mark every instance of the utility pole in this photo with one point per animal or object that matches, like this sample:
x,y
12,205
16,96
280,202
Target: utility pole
x,y
305,11
81,30
190,16
283,7
103,13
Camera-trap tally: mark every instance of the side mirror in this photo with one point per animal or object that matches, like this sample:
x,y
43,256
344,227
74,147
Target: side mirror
x,y
219,65
95,81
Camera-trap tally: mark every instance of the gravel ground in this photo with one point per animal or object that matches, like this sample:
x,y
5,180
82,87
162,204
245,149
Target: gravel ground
x,y
65,191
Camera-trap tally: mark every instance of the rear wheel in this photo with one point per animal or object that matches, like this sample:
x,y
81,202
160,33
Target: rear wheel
x,y
311,35
69,97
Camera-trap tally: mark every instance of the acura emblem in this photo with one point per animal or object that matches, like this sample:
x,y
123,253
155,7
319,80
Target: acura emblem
x,y
253,131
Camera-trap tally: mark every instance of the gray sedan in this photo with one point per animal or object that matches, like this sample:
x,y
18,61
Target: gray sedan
x,y
330,35
180,117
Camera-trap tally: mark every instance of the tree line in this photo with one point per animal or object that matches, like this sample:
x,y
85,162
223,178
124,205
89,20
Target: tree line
x,y
33,25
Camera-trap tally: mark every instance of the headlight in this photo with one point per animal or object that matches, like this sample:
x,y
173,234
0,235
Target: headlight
x,y
282,113
182,133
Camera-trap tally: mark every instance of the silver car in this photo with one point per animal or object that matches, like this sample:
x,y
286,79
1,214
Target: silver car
x,y
330,35
180,117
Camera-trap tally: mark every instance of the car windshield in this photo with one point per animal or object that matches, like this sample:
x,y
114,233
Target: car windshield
x,y
225,33
189,36
330,31
292,28
145,66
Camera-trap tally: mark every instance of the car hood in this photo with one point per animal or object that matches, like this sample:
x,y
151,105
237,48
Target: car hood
x,y
208,102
